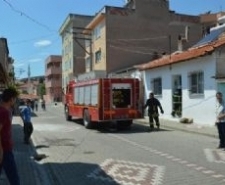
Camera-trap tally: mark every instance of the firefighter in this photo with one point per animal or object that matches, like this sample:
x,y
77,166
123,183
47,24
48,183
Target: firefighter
x,y
153,104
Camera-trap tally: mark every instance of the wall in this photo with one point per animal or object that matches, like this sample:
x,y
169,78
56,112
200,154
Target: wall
x,y
134,35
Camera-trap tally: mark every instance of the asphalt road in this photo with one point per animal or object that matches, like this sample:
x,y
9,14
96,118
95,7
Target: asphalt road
x,y
79,156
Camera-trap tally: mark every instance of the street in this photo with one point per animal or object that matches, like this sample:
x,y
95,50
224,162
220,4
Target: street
x,y
75,155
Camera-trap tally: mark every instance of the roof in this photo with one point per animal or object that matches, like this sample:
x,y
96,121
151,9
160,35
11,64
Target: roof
x,y
28,96
183,56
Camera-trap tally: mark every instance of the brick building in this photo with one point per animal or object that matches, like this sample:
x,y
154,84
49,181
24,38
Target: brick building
x,y
53,75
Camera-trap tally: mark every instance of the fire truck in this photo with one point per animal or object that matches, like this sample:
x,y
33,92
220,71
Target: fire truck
x,y
103,100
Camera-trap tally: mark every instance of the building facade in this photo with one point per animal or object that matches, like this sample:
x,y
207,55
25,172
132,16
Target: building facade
x,y
6,64
73,53
137,32
186,82
53,78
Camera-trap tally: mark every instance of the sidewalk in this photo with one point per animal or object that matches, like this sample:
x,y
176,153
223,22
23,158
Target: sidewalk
x,y
28,169
191,128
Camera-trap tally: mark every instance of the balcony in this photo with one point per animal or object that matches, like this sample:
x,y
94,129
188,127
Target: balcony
x,y
53,71
53,83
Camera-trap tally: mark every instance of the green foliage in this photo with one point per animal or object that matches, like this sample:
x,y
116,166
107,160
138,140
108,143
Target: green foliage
x,y
13,87
41,90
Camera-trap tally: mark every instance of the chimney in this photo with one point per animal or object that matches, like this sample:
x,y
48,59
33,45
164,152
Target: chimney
x,y
180,43
182,39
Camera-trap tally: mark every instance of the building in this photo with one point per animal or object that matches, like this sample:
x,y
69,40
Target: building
x,y
125,36
30,87
53,75
186,82
6,64
210,20
73,53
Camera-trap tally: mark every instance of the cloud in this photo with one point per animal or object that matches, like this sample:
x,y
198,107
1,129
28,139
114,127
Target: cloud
x,y
42,43
18,65
35,60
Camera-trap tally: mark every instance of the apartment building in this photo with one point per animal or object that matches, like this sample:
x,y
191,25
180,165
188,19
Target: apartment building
x,y
73,61
53,75
142,30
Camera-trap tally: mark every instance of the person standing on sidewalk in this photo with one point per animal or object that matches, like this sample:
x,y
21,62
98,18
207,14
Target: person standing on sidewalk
x,y
7,160
153,104
220,119
26,117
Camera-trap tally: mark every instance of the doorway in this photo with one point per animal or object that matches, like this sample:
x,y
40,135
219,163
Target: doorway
x,y
176,96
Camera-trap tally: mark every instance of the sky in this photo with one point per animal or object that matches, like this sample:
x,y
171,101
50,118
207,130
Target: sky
x,y
31,27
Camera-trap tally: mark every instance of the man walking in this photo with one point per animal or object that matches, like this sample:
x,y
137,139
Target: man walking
x,y
26,117
152,103
7,160
220,119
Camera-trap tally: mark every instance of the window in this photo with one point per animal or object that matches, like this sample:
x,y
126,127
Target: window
x,y
87,95
81,95
97,31
98,56
196,82
87,43
157,86
121,95
88,64
94,94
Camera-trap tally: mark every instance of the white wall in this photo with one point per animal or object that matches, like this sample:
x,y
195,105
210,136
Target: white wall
x,y
200,108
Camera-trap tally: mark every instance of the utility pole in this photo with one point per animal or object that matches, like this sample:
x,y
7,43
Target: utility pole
x,y
29,81
83,33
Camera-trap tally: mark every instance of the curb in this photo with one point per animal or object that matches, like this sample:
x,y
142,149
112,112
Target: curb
x,y
180,129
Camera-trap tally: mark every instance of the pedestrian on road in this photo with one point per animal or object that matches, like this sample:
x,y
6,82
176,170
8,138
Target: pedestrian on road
x,y
220,119
43,105
7,160
153,104
36,105
26,117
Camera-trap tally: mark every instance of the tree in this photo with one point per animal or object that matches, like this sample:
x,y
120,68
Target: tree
x,y
41,90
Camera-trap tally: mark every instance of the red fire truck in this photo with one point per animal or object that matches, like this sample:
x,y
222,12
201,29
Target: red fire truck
x,y
103,100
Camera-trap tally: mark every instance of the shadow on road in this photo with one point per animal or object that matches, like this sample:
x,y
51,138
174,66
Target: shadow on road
x,y
134,129
33,172
78,173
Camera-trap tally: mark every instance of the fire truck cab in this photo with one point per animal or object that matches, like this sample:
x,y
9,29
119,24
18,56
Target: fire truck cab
x,y
103,100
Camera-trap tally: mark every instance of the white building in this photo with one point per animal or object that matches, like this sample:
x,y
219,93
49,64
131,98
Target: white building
x,y
194,76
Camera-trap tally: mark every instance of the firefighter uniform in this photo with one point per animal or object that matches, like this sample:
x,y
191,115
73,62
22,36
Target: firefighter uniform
x,y
153,104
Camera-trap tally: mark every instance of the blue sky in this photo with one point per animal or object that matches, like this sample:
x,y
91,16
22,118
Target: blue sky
x,y
31,26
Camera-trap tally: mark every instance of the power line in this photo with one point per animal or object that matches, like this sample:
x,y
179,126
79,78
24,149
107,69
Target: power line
x,y
142,39
76,40
132,51
136,48
27,16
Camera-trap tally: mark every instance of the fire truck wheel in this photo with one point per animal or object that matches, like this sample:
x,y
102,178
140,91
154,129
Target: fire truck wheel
x,y
68,117
87,119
